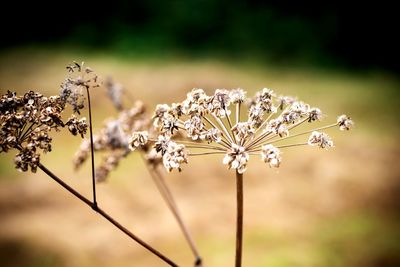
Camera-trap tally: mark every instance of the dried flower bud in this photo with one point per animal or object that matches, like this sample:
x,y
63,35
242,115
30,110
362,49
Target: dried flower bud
x,y
174,156
320,139
236,158
77,126
271,155
138,139
237,96
344,122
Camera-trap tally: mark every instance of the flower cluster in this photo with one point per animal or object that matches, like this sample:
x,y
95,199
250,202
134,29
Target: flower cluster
x,y
115,139
80,78
215,124
26,122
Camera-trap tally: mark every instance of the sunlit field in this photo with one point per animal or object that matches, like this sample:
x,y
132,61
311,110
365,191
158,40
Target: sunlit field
x,y
321,208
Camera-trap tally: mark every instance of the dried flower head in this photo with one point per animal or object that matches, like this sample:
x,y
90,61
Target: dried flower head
x,y
80,78
114,91
213,125
344,122
26,122
320,139
115,138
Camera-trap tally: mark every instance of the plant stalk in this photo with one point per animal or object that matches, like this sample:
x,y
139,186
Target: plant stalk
x,y
239,219
106,216
92,149
169,199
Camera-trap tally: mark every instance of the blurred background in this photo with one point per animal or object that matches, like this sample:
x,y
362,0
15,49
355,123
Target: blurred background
x,y
320,208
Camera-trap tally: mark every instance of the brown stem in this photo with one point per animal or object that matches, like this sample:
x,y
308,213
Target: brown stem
x,y
106,216
169,199
239,219
92,149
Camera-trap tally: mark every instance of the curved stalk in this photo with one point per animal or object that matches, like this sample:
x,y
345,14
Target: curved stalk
x,y
106,216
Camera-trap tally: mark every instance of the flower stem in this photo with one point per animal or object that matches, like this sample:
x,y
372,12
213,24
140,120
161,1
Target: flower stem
x,y
92,149
106,216
239,219
168,197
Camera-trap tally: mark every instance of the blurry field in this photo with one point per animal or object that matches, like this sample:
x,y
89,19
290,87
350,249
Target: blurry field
x,y
320,209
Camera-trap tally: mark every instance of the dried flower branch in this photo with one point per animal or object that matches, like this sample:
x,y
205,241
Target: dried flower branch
x,y
26,122
81,78
117,141
206,122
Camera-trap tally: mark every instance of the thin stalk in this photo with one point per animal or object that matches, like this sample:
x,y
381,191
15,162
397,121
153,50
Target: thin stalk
x,y
226,141
274,135
92,149
283,146
106,216
223,128
239,219
205,147
302,133
205,153
26,133
237,112
264,122
169,199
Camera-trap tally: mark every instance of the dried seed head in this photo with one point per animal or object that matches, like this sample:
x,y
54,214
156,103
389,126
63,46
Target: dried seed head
x,y
344,122
271,155
114,91
174,156
211,119
26,122
138,139
236,158
77,126
320,139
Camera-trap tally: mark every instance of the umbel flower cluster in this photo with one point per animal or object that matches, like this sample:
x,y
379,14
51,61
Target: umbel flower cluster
x,y
113,139
27,120
235,126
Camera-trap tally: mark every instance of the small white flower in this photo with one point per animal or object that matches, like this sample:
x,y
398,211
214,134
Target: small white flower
x,y
213,135
243,130
175,155
271,155
314,114
138,139
195,128
344,122
236,158
237,96
219,103
320,139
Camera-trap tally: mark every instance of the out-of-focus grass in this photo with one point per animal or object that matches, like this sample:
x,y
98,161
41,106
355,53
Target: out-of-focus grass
x,y
336,208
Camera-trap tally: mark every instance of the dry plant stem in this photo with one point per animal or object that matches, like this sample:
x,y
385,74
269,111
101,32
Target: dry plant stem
x,y
239,219
162,186
92,150
106,216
